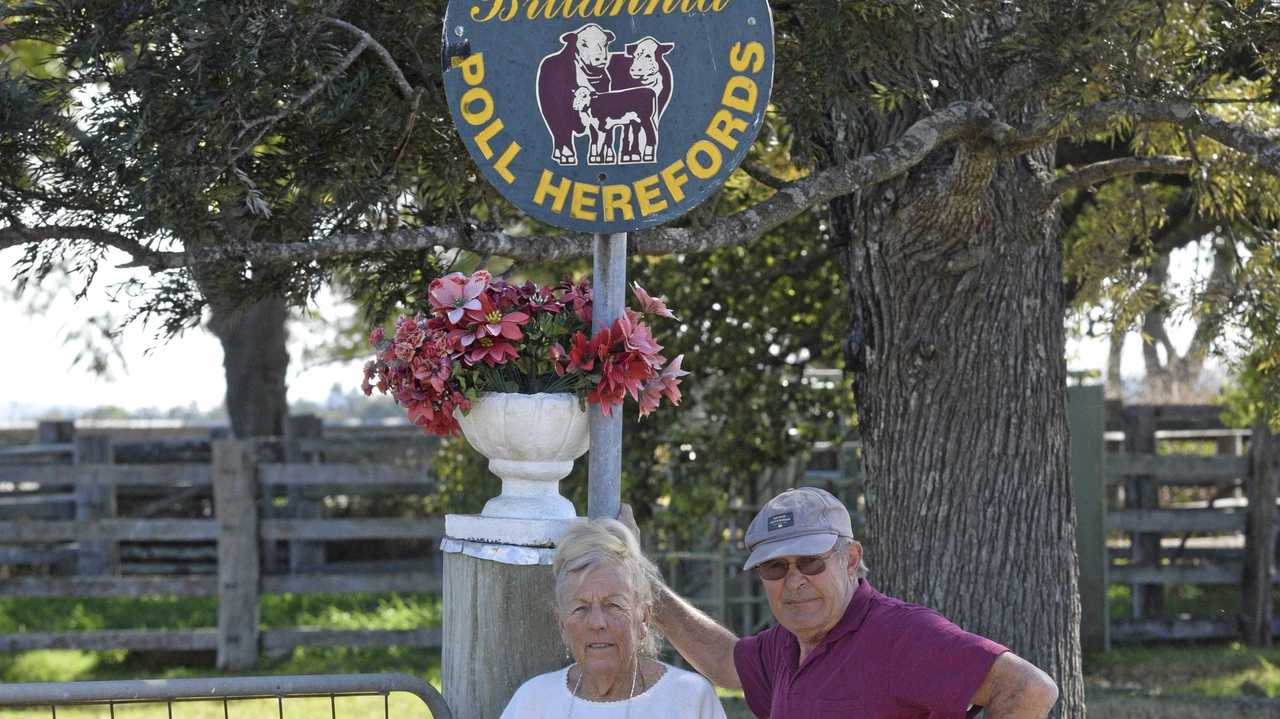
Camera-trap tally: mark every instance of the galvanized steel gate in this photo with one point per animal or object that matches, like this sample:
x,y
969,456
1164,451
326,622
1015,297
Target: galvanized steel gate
x,y
227,690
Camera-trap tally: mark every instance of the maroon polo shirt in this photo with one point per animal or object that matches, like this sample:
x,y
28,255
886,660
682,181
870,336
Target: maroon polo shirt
x,y
885,659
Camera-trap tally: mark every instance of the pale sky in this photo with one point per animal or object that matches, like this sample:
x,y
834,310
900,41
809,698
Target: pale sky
x,y
38,372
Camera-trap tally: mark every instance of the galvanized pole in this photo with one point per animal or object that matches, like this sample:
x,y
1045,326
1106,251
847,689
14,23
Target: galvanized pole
x,y
604,470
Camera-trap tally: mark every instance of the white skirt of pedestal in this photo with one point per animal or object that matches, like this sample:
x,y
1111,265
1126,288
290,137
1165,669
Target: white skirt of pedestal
x,y
506,530
531,441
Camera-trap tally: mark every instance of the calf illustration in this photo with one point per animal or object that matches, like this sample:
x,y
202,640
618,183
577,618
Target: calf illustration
x,y
615,98
632,109
581,62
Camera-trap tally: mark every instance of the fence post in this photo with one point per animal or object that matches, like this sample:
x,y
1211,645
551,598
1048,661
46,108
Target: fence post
x,y
1260,529
303,555
234,487
1086,421
1143,492
94,500
58,431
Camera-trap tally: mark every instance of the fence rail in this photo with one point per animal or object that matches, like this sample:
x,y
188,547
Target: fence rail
x,y
53,512
1147,478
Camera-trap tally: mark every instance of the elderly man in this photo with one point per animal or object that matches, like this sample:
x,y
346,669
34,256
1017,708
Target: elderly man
x,y
840,648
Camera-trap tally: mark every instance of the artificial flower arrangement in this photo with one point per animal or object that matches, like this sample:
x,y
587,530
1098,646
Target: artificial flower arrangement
x,y
478,334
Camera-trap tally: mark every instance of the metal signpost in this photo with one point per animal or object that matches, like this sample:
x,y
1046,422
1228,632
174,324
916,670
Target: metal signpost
x,y
600,116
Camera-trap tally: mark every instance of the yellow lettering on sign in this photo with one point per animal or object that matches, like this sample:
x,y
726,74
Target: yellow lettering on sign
x,y
617,198
746,102
647,196
723,125
493,128
584,199
558,192
469,98
674,178
473,68
752,55
699,170
506,10
501,166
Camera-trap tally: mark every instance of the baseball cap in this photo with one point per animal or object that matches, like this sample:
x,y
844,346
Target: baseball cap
x,y
799,522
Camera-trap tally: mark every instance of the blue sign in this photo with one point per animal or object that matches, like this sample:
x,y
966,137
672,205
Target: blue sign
x,y
608,115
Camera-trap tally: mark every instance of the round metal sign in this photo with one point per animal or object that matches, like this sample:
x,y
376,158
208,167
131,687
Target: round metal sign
x,y
608,115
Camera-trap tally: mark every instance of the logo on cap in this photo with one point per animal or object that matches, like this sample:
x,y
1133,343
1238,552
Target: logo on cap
x,y
779,521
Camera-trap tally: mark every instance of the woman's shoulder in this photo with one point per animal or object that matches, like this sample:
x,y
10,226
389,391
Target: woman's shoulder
x,y
684,680
544,684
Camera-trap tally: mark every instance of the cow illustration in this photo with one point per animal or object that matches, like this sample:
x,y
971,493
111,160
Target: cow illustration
x,y
615,98
581,62
643,64
632,109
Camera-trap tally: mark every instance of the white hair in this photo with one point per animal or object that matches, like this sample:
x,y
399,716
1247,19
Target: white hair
x,y
842,547
593,542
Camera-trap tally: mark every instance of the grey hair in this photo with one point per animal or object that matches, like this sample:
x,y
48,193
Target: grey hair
x,y
842,546
601,541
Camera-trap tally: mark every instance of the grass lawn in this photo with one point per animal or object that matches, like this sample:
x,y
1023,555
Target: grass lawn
x,y
1169,681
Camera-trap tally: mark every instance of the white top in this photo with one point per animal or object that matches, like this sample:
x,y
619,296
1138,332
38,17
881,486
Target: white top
x,y
677,694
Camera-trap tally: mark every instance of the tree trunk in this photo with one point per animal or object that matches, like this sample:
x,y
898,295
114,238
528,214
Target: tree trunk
x,y
255,360
955,275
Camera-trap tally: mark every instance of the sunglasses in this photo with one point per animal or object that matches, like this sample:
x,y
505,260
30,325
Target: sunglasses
x,y
776,569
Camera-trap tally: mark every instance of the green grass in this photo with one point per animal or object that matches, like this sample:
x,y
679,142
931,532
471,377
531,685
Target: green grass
x,y
338,611
1193,600
1226,669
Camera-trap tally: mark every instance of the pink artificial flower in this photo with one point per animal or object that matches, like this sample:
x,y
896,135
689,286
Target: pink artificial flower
x,y
454,294
493,351
650,305
497,324
559,358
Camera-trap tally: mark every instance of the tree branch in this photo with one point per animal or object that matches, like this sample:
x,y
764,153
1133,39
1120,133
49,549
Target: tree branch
x,y
958,120
1107,169
13,236
365,38
1262,146
268,121
762,175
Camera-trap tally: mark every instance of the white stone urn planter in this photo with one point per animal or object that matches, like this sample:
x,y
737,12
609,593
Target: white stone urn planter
x,y
531,441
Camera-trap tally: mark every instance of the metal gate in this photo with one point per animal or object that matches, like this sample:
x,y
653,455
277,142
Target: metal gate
x,y
228,691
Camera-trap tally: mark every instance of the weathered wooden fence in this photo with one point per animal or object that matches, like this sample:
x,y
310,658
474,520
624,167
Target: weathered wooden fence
x,y
62,507
236,520
1179,516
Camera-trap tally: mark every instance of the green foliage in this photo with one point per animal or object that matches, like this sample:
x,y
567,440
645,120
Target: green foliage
x,y
189,124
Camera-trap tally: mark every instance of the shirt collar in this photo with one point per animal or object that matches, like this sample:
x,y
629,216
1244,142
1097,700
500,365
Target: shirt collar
x,y
854,614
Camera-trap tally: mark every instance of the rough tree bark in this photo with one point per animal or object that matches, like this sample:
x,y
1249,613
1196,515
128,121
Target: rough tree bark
x,y
961,399
955,273
253,336
255,360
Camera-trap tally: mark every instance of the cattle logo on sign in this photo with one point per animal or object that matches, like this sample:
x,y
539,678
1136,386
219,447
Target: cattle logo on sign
x,y
615,99
608,115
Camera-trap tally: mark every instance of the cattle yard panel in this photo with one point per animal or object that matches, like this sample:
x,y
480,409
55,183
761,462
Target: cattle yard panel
x,y
268,696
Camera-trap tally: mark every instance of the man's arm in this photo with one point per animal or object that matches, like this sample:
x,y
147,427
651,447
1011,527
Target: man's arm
x,y
699,639
1016,689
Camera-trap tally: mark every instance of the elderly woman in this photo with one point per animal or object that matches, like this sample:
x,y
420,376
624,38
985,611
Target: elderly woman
x,y
604,599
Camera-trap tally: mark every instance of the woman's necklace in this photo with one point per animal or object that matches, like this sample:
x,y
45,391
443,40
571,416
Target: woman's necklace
x,y
635,673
